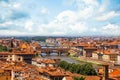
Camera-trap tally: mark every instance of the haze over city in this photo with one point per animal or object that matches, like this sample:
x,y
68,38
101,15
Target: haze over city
x,y
59,17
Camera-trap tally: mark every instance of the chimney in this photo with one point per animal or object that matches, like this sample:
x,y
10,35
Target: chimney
x,y
105,74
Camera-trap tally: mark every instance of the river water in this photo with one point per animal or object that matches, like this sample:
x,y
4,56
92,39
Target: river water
x,y
54,55
62,57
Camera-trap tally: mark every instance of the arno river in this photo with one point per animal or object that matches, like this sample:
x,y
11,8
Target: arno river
x,y
63,57
54,55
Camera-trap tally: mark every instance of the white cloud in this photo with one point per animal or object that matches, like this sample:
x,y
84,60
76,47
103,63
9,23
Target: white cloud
x,y
65,22
110,29
82,4
79,27
68,22
107,16
102,8
16,5
86,9
67,15
86,13
56,33
6,24
104,5
29,25
94,30
44,10
12,33
91,2
10,5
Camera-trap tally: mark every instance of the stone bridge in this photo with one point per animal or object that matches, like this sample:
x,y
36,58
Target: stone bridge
x,y
58,50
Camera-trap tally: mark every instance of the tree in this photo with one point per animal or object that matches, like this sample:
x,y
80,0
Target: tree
x,y
79,78
64,65
85,69
3,48
72,67
77,68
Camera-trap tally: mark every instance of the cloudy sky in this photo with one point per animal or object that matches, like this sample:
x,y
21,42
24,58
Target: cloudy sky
x,y
59,17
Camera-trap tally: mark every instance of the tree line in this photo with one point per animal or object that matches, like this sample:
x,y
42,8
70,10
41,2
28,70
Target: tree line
x,y
84,69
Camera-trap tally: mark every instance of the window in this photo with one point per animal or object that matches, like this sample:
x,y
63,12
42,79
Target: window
x,y
19,59
113,57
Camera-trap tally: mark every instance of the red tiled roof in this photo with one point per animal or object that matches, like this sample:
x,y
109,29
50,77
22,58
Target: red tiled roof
x,y
115,73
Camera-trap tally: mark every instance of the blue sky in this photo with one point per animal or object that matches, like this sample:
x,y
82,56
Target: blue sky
x,y
59,17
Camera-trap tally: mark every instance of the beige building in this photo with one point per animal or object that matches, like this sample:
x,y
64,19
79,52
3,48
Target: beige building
x,y
50,40
88,51
107,55
118,59
44,62
14,58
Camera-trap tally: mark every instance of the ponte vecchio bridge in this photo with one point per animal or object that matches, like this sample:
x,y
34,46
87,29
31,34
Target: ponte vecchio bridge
x,y
54,49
